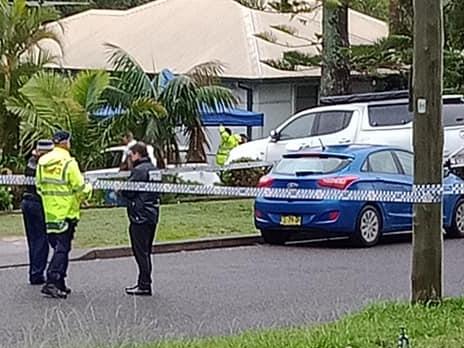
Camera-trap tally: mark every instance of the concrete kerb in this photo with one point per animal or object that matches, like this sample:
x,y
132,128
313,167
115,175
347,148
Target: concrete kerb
x,y
173,247
159,248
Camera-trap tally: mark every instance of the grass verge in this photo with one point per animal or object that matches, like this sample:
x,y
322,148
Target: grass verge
x,y
378,326
108,226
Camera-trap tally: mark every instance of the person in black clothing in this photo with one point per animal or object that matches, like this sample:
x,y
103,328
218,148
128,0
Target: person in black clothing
x,y
143,212
34,220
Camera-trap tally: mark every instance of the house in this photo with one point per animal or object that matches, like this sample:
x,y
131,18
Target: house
x,y
178,34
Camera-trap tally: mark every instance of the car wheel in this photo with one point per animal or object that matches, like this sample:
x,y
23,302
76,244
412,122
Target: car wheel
x,y
456,230
368,227
274,237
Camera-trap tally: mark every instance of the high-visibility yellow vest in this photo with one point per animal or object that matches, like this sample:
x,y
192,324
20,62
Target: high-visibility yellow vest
x,y
228,142
62,188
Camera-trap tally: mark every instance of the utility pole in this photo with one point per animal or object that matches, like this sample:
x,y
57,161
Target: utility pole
x,y
427,269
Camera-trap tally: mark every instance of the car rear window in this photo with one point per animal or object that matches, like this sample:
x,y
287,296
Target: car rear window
x,y
398,114
311,165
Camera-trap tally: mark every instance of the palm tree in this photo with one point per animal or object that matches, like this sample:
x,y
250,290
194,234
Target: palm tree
x,y
21,56
161,108
50,101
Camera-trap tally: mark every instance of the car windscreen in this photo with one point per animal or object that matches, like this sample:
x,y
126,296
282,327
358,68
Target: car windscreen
x,y
307,165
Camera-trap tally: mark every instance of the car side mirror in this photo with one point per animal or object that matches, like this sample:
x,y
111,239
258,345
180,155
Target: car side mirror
x,y
447,168
275,136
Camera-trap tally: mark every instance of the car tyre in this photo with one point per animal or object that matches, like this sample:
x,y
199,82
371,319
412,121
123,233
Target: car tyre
x,y
274,237
456,230
368,227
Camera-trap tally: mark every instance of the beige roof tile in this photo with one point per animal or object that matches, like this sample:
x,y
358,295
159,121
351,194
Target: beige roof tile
x,y
178,34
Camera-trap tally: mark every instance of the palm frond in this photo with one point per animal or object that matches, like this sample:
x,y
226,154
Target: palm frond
x,y
88,87
207,73
130,75
215,97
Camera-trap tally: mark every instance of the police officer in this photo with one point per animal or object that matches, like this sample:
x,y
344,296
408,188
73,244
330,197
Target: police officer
x,y
62,188
34,220
228,142
143,212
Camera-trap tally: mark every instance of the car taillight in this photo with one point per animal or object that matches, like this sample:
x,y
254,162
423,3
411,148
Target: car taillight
x,y
337,182
265,181
334,215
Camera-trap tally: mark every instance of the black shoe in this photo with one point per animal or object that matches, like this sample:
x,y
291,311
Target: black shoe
x,y
38,281
137,291
52,291
62,286
66,290
133,287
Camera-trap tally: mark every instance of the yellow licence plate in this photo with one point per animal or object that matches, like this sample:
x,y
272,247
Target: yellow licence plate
x,y
290,220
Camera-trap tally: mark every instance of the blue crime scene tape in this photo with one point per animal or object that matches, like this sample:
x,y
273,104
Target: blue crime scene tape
x,y
418,194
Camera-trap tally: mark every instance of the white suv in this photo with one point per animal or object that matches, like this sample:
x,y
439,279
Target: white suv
x,y
386,122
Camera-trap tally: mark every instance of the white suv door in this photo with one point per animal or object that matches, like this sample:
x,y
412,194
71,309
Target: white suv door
x,y
310,129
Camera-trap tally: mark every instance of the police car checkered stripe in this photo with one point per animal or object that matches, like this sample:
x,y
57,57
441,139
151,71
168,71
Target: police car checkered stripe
x,y
419,193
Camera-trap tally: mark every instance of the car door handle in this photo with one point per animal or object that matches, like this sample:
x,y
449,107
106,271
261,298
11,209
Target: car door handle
x,y
344,141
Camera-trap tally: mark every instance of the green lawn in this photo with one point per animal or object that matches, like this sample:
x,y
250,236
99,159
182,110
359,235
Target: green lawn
x,y
376,327
108,227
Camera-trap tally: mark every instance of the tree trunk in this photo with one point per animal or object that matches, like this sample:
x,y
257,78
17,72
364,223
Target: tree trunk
x,y
196,151
401,17
428,146
335,79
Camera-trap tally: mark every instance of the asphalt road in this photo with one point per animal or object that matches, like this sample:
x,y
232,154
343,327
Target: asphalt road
x,y
212,292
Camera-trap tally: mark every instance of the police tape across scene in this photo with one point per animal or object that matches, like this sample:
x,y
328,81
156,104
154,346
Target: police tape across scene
x,y
432,193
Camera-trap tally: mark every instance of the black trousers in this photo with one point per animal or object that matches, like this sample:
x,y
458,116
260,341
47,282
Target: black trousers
x,y
142,237
36,235
61,244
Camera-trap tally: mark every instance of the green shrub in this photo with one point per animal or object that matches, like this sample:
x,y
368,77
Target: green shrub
x,y
243,177
6,198
15,193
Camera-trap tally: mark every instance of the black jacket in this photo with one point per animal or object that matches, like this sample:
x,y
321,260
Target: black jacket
x,y
30,192
142,207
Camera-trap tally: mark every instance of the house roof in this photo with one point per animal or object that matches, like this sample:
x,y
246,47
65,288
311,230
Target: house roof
x,y
178,34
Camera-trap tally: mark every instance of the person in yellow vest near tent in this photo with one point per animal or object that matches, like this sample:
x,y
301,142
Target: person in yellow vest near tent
x,y
228,142
62,188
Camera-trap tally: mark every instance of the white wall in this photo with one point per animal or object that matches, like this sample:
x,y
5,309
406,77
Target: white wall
x,y
276,102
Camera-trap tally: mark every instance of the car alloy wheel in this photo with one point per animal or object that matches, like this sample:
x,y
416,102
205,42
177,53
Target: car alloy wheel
x,y
368,227
457,228
459,218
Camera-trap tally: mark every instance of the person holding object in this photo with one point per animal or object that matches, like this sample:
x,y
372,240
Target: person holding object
x,y
62,188
143,213
228,142
128,141
34,219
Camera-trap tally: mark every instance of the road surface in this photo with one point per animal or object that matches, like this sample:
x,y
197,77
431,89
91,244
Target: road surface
x,y
212,292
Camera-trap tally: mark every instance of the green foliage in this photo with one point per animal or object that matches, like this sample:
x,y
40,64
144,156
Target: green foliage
x,y
6,198
373,8
50,101
152,113
21,29
393,53
243,177
454,24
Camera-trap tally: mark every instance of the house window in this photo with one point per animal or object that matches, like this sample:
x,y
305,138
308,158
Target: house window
x,y
305,97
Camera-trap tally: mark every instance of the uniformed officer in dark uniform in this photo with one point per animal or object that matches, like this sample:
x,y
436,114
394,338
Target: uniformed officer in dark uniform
x,y
34,221
143,212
